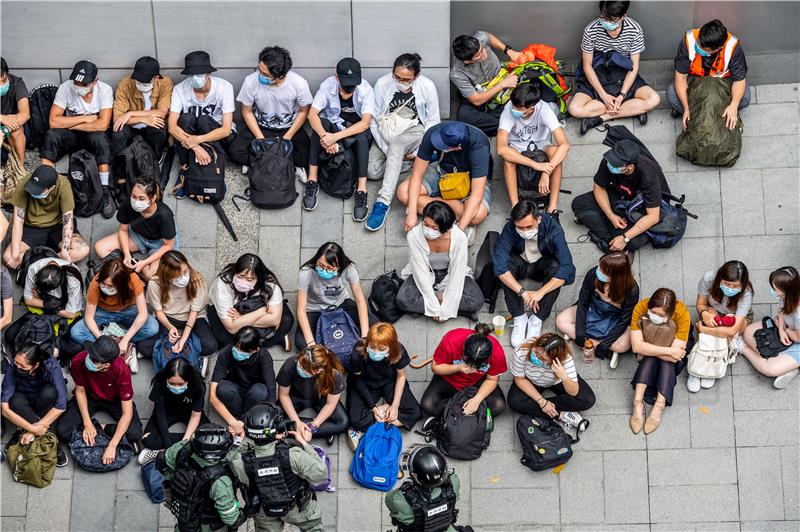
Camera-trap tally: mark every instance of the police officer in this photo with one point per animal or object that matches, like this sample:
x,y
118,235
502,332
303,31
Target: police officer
x,y
278,472
426,502
202,495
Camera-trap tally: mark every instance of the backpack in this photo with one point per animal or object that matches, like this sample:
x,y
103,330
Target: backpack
x,y
90,457
153,482
84,178
337,175
551,84
36,328
30,256
671,224
34,463
383,296
461,436
41,100
484,270
162,352
137,160
93,267
327,485
710,356
544,443
768,341
272,182
527,177
206,183
12,175
375,463
337,332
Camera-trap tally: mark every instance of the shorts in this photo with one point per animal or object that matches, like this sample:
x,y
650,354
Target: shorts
x,y
585,88
793,351
147,246
46,236
431,183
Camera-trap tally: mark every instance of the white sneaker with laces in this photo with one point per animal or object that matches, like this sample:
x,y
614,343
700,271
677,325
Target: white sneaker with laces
x,y
147,456
534,327
353,437
133,362
574,420
204,367
693,384
783,381
707,383
518,329
300,174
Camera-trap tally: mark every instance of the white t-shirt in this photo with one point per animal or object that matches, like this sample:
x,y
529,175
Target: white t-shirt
x,y
540,376
223,296
74,105
531,253
74,288
148,104
536,129
275,106
218,101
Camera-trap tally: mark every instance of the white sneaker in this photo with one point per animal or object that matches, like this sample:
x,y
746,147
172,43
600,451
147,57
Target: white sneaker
x,y
245,169
470,232
300,174
133,362
574,420
147,456
204,367
693,384
614,362
518,330
783,381
534,327
707,383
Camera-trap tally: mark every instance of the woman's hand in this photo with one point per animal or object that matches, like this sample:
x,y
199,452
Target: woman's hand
x,y
466,368
549,409
174,334
110,454
471,406
784,336
177,347
234,314
26,438
89,434
392,413
558,369
379,413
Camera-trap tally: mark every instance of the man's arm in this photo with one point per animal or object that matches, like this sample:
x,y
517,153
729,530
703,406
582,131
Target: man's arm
x,y
477,189
66,234
299,120
251,122
57,119
97,123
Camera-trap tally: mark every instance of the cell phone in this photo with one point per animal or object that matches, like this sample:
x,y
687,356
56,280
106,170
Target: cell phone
x,y
134,261
291,426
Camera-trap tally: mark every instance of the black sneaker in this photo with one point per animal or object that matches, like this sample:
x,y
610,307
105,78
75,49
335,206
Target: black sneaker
x,y
109,207
360,209
675,114
61,457
310,196
589,123
643,118
330,439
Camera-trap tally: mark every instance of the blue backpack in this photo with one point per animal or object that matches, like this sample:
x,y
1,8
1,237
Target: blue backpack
x,y
153,482
337,332
162,352
671,224
375,464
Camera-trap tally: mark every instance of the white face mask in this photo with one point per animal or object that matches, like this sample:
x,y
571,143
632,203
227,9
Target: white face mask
x,y
655,318
107,290
139,205
182,281
144,87
403,86
430,234
81,91
198,81
529,234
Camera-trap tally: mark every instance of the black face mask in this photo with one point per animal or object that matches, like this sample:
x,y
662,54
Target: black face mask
x,y
22,373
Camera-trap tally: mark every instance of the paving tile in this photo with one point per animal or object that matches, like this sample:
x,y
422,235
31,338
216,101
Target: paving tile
x,y
283,260
495,505
395,258
660,127
613,396
782,92
323,224
165,518
364,510
661,268
675,429
675,504
203,260
642,527
611,432
742,202
761,253
754,392
780,151
502,470
760,485
581,488
135,512
584,160
625,487
781,208
93,496
770,119
699,255
129,478
364,248
192,233
755,428
691,467
14,495
770,526
291,215
709,222
791,482
56,499
714,428
12,524
732,526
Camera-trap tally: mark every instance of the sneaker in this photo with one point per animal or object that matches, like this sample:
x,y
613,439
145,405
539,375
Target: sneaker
x,y
300,174
133,362
574,420
518,329
109,207
310,196
147,456
204,367
178,191
330,439
430,424
534,327
61,457
353,437
783,381
378,216
287,343
693,384
675,114
590,123
245,169
643,119
614,362
707,383
471,233
360,209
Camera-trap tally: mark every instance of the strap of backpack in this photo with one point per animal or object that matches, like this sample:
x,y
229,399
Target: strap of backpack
x,y
245,197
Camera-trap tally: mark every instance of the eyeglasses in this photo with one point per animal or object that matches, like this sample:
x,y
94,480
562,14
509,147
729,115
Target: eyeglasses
x,y
402,80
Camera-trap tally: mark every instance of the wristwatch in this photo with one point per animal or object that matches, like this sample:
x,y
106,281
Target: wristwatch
x,y
623,94
521,291
506,49
625,238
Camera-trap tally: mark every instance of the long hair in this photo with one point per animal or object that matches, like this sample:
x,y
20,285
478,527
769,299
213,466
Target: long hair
x,y
120,277
617,268
250,262
663,298
732,271
170,268
384,334
316,357
553,345
182,368
333,255
787,280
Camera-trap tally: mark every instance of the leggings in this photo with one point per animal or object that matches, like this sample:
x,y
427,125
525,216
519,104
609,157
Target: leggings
x,y
337,423
439,391
32,408
155,439
520,402
359,143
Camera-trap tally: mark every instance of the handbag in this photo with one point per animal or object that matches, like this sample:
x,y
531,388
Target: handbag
x,y
454,186
34,463
768,340
391,125
711,356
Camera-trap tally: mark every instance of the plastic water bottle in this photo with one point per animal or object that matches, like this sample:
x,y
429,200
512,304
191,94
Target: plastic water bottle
x,y
588,351
489,420
6,131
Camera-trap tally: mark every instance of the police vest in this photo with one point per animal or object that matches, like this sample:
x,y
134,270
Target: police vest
x,y
719,67
430,515
277,485
190,500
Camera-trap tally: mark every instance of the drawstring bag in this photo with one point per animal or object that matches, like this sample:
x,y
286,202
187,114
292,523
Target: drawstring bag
x,y
34,463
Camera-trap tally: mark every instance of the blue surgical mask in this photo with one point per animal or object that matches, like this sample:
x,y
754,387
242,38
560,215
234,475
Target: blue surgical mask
x,y
239,355
700,51
608,25
774,294
198,81
4,88
516,113
303,373
603,278
177,390
613,169
535,360
728,291
484,368
377,356
90,365
325,274
41,196
264,80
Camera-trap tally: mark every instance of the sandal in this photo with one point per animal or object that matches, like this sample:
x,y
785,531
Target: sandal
x,y
653,420
637,421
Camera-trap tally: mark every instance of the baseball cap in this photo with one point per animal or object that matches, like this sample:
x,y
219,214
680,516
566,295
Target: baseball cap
x,y
349,72
41,179
623,153
103,350
198,62
145,69
84,72
449,135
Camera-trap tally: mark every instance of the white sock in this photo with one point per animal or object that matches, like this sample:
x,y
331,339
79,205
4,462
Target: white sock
x,y
104,178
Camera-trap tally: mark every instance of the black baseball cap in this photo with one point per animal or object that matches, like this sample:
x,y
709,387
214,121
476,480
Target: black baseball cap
x,y
84,72
104,350
349,72
146,69
623,153
41,179
449,135
198,62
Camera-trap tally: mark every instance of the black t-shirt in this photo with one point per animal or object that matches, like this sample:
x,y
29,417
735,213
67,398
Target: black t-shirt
x,y
187,402
161,225
348,112
16,91
473,157
300,387
257,369
737,65
400,98
647,178
377,374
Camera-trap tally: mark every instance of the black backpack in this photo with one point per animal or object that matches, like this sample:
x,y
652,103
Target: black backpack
x,y
484,270
272,173
544,443
41,100
527,177
461,436
32,255
34,328
382,297
337,175
206,183
84,178
137,160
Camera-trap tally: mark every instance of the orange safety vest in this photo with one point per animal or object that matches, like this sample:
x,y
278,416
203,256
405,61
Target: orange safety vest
x,y
719,69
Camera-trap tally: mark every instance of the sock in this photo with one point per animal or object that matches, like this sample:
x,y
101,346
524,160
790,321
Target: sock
x,y
104,178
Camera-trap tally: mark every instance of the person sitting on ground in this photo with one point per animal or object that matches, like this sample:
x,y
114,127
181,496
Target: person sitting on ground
x,y
141,104
247,293
43,216
314,378
339,118
378,373
545,364
604,308
453,147
661,328
724,309
14,109
178,395
527,124
710,51
79,118
531,246
474,65
54,286
328,281
410,99
438,280
784,284
102,384
623,173
34,396
275,102
6,291
200,114
146,226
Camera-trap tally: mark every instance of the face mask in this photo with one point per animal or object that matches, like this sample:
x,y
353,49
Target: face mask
x,y
198,81
239,355
22,373
484,368
517,114
655,318
139,205
535,360
325,274
243,286
603,278
774,294
182,281
529,234
41,196
377,356
431,234
700,51
608,25
177,390
402,86
82,91
303,373
144,87
728,291
4,88
109,291
613,169
90,365
264,80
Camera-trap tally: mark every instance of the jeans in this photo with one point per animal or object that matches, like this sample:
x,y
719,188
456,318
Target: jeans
x,y
155,137
672,98
201,329
541,271
410,299
239,150
147,246
390,165
81,333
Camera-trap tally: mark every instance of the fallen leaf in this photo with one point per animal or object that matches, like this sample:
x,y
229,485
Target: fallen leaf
x,y
704,410
495,479
557,469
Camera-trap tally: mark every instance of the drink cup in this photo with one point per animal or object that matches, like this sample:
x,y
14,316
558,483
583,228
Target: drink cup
x,y
499,323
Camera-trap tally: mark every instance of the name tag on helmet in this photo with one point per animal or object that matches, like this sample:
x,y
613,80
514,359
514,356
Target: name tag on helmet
x,y
266,471
437,510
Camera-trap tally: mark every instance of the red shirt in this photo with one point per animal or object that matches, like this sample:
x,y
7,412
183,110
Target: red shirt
x,y
111,385
451,349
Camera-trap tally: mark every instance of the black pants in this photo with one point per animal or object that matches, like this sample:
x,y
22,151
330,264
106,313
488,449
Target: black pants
x,y
337,423
269,335
208,343
361,418
541,271
199,126
359,143
439,391
410,299
155,137
238,399
71,419
486,121
588,212
33,408
153,439
59,142
520,402
348,306
239,150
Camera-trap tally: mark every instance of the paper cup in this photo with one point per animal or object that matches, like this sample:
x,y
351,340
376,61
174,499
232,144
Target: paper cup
x,y
499,323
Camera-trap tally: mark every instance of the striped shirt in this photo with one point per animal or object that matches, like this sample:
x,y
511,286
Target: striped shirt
x,y
630,40
540,376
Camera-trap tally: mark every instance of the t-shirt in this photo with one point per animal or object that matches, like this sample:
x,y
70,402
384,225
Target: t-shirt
x,y
275,106
472,157
469,78
348,111
74,105
16,91
540,376
792,320
630,41
179,305
681,317
74,288
257,369
737,66
159,226
531,253
399,98
174,403
451,351
47,212
113,303
6,288
378,374
723,307
224,296
322,294
646,178
536,129
218,101
302,387
111,385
